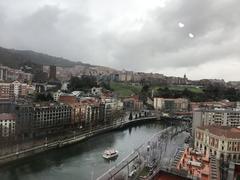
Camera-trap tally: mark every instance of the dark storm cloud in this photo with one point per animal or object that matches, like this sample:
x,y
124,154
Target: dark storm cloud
x,y
99,33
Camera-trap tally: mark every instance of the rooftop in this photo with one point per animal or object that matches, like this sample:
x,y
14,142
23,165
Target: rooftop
x,y
228,132
6,116
195,163
222,110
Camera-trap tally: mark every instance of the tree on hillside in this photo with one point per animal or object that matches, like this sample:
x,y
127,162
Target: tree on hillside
x,y
43,97
82,84
106,85
144,94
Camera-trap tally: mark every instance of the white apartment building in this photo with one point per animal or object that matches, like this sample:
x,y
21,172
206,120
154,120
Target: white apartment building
x,y
114,104
220,117
3,73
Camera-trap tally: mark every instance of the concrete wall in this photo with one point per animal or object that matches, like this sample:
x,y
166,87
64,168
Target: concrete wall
x,y
197,121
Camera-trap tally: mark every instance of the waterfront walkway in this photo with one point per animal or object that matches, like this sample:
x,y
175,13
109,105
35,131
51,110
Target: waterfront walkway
x,y
31,148
156,152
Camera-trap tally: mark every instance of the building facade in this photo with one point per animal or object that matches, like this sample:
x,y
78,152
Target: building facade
x,y
9,74
171,105
35,119
3,73
96,91
212,105
7,125
132,104
52,72
223,142
12,91
88,111
220,117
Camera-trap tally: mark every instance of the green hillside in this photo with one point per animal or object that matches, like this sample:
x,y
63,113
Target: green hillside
x,y
124,90
194,89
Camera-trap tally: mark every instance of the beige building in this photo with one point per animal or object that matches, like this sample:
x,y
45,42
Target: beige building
x,y
13,90
223,142
166,104
126,76
9,74
158,103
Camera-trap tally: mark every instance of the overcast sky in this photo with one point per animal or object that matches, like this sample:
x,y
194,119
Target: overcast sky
x,y
197,37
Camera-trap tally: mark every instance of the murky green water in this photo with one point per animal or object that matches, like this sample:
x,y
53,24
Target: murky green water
x,y
82,161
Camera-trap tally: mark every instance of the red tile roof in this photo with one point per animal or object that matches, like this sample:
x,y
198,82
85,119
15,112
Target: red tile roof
x,y
228,132
5,116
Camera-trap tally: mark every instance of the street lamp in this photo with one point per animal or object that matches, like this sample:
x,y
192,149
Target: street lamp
x,y
46,141
17,150
74,134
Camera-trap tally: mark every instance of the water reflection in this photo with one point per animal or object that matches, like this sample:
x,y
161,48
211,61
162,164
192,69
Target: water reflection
x,y
84,160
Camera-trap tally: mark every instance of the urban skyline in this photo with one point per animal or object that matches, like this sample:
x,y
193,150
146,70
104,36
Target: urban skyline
x,y
119,90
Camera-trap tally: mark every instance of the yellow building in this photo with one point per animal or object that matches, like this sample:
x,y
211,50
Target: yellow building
x,y
221,141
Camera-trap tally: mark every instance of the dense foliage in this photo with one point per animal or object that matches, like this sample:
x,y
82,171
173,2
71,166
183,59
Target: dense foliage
x,y
210,93
82,84
106,85
145,93
43,97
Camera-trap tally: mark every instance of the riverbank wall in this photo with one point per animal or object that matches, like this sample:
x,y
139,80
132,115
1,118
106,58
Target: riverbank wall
x,y
19,155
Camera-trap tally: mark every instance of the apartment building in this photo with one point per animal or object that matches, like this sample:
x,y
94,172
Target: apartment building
x,y
35,119
132,103
88,111
171,105
219,117
7,125
14,90
213,105
9,74
3,73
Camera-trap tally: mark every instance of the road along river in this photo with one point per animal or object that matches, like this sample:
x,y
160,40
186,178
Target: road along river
x,y
81,161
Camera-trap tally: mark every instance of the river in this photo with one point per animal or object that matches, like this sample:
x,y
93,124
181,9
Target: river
x,y
82,161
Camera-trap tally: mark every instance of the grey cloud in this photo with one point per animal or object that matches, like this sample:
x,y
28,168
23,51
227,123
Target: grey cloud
x,y
169,46
158,44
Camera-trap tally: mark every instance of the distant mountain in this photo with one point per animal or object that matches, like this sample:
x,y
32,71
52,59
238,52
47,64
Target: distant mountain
x,y
17,58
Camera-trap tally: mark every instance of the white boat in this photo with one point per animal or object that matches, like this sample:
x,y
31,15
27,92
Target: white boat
x,y
110,154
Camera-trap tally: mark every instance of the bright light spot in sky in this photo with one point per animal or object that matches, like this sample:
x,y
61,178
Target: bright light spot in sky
x,y
181,25
191,35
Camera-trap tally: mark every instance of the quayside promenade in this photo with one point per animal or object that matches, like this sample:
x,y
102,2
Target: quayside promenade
x,y
156,153
27,149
